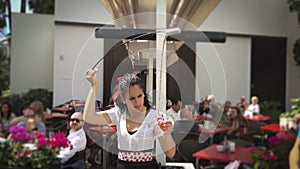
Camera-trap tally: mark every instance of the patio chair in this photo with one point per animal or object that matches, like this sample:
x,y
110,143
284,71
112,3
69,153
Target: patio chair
x,y
186,148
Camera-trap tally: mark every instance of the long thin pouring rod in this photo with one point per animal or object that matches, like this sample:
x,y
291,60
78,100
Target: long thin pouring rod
x,y
116,47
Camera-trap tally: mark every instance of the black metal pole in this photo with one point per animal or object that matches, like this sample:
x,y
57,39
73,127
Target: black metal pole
x,y
196,36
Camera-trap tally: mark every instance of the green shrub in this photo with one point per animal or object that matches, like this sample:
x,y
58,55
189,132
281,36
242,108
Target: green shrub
x,y
272,109
20,101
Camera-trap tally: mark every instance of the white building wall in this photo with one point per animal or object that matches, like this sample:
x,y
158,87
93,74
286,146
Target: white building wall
x,y
32,52
87,11
76,50
224,69
255,17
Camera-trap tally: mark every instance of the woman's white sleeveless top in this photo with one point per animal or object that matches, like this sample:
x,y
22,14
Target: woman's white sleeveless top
x,y
143,138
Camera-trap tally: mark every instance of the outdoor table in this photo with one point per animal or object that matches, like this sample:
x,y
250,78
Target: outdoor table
x,y
211,153
61,109
105,130
199,117
258,117
273,127
55,115
76,104
212,132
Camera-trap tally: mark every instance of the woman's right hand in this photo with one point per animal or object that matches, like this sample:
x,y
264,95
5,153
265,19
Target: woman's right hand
x,y
91,75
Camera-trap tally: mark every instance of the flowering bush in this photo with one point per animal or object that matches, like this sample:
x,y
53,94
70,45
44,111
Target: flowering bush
x,y
262,158
277,155
280,145
41,155
12,152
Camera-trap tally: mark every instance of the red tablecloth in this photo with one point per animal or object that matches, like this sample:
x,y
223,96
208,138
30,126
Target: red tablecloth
x,y
200,117
56,115
211,153
273,127
258,117
60,109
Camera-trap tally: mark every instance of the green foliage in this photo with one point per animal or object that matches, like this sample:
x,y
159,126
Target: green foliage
x,y
2,6
21,101
294,5
296,105
4,72
262,158
295,108
296,52
41,152
272,109
42,6
5,150
44,158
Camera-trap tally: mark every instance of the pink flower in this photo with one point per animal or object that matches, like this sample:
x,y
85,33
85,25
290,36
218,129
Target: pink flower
x,y
274,141
19,133
285,136
41,139
252,148
274,157
59,140
44,153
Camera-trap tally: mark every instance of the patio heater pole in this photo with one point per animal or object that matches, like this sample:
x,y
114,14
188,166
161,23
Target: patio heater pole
x,y
161,22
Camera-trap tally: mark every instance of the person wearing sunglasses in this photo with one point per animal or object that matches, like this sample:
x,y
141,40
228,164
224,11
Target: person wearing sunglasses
x,y
74,158
31,123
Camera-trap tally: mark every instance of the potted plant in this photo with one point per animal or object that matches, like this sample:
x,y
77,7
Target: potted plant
x,y
271,108
281,145
262,158
283,119
296,105
286,118
19,151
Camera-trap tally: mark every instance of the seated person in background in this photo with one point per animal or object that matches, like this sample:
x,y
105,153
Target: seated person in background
x,y
174,112
239,124
225,119
6,116
74,158
253,107
39,109
211,99
242,105
31,123
204,108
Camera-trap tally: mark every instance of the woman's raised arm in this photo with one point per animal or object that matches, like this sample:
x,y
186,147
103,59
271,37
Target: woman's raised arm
x,y
89,113
166,140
